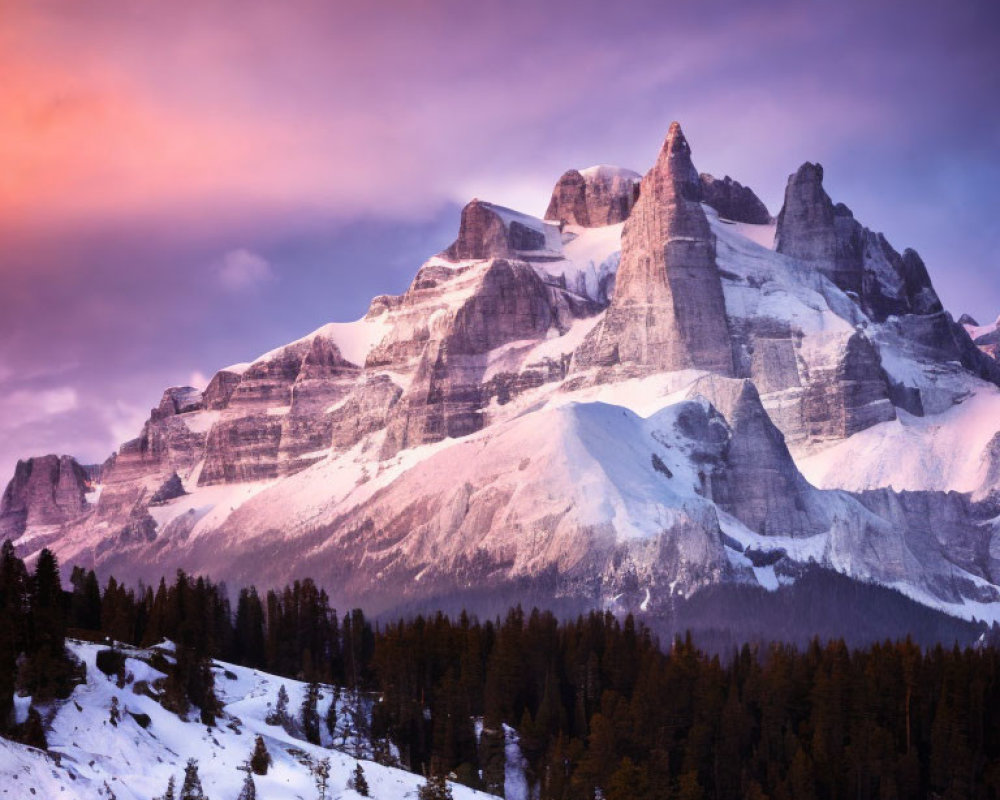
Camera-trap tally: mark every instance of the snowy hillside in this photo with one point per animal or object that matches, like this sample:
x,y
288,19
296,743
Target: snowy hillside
x,y
90,757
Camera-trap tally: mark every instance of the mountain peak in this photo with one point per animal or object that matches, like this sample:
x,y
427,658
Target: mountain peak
x,y
675,142
674,162
594,197
668,309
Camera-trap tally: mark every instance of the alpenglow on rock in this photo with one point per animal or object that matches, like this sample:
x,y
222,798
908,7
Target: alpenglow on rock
x,y
668,311
47,490
492,231
726,418
596,196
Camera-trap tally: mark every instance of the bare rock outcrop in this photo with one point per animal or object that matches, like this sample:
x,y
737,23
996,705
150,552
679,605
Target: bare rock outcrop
x,y
594,197
324,379
733,200
177,400
508,302
491,231
847,394
758,482
46,490
856,259
221,387
668,310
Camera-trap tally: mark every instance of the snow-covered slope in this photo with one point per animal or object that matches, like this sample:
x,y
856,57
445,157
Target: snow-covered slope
x,y
91,758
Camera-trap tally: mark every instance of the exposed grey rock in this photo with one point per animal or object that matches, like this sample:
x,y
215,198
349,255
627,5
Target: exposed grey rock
x,y
594,197
166,445
367,409
324,378
847,396
267,383
220,389
46,490
967,319
509,302
172,488
668,310
177,400
932,533
989,343
243,448
859,261
757,481
481,234
491,231
733,200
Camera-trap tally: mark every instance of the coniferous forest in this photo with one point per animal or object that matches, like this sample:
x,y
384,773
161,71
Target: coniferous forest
x,y
601,708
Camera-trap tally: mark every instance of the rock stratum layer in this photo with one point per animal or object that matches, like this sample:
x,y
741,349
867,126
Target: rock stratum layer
x,y
655,391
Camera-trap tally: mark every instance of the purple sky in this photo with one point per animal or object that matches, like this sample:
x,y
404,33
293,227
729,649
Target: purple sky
x,y
186,185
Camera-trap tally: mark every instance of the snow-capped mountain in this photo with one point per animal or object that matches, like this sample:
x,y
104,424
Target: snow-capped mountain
x,y
658,388
114,740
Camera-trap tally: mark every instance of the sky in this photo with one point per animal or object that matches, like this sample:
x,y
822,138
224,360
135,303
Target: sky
x,y
187,185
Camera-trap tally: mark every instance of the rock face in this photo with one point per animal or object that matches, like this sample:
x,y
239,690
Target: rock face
x,y
593,197
863,263
47,490
733,200
491,231
758,482
891,290
617,414
221,387
668,311
508,302
177,400
848,395
985,337
989,343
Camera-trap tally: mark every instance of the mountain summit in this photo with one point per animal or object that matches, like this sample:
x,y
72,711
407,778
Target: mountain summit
x,y
656,399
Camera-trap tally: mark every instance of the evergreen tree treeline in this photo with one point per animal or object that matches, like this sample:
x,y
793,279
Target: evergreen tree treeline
x,y
600,707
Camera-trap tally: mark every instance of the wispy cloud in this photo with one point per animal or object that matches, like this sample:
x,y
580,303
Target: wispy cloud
x,y
242,270
26,406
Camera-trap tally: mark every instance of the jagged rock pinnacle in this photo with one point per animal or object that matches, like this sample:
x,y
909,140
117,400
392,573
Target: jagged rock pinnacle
x,y
668,311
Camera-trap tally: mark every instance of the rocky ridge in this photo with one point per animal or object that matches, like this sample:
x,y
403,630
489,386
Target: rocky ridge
x,y
617,402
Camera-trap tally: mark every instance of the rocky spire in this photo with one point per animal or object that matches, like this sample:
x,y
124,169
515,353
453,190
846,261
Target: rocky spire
x,y
812,228
806,221
668,310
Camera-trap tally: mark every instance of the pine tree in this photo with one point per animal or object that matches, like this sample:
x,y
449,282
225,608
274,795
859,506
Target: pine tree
x,y
435,788
260,759
279,715
321,774
358,782
49,670
309,714
191,788
249,630
13,622
85,604
169,794
249,790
